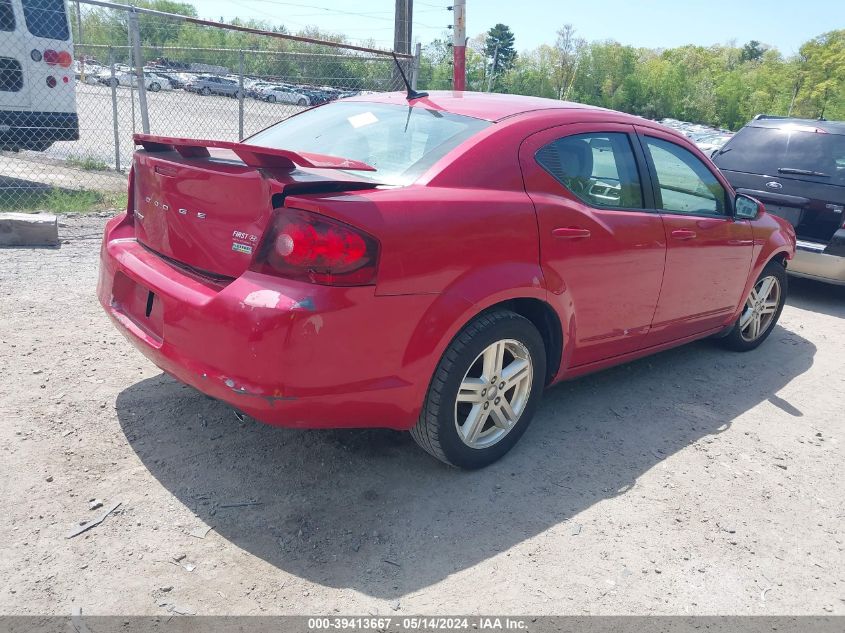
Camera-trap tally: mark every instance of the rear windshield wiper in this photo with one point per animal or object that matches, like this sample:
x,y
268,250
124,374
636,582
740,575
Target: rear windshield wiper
x,y
802,172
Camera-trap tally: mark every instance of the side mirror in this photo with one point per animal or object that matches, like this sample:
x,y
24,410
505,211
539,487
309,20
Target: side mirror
x,y
747,208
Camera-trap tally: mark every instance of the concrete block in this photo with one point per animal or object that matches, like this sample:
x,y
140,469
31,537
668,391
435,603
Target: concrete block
x,y
29,229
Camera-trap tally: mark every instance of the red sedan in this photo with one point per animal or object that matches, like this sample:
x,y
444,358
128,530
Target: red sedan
x,y
432,264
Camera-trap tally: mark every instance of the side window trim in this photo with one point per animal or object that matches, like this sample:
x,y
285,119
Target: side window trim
x,y
645,192
655,184
648,180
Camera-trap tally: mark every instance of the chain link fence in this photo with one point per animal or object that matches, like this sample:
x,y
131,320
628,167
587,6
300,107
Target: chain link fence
x,y
68,111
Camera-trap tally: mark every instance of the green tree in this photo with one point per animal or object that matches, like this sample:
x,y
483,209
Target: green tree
x,y
566,54
822,82
499,48
752,51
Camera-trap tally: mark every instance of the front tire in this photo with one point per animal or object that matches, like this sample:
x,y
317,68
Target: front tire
x,y
271,99
761,311
155,86
484,392
302,103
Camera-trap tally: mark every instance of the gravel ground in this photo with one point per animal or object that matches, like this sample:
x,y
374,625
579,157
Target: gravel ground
x,y
696,481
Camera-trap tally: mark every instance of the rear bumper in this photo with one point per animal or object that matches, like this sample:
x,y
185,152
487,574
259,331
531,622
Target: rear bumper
x,y
286,353
812,262
29,130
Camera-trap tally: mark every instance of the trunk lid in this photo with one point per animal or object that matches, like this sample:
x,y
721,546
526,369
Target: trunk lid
x,y
207,204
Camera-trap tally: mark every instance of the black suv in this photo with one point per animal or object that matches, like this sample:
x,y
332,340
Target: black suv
x,y
796,167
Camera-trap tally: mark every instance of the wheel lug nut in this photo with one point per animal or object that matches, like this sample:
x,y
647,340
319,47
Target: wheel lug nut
x,y
483,392
486,405
496,401
502,385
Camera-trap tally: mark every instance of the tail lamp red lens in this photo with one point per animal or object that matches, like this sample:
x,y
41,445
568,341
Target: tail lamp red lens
x,y
311,247
57,58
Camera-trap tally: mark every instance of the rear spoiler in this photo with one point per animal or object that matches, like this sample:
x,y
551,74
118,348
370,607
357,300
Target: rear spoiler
x,y
252,155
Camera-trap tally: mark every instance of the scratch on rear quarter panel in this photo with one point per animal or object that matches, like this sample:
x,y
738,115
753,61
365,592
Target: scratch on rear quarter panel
x,y
262,299
317,322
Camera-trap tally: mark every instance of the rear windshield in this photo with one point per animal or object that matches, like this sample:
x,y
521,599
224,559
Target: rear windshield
x,y
46,18
400,142
777,151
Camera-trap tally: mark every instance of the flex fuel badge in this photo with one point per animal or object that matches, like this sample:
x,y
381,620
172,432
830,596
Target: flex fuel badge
x,y
243,242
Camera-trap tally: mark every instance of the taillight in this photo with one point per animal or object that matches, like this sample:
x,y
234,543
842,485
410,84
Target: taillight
x,y
311,247
54,58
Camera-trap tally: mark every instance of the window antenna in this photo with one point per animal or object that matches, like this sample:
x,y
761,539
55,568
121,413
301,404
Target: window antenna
x,y
412,94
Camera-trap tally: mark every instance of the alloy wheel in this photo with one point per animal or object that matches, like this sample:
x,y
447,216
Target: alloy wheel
x,y
760,308
493,393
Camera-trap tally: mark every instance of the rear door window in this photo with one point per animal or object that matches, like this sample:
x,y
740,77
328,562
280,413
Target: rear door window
x,y
46,18
11,75
599,168
7,16
685,184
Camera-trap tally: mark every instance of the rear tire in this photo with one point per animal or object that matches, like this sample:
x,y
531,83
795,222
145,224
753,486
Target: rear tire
x,y
155,86
761,311
471,418
205,91
302,103
271,99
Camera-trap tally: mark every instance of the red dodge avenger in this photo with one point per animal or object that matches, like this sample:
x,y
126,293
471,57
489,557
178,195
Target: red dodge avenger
x,y
432,263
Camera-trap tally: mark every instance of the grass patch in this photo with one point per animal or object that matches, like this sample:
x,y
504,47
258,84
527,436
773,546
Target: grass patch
x,y
86,163
60,200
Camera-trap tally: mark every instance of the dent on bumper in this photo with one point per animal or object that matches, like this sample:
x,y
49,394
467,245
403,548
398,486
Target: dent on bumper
x,y
817,265
286,353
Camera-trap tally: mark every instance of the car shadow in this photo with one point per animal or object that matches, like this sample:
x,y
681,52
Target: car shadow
x,y
368,510
817,296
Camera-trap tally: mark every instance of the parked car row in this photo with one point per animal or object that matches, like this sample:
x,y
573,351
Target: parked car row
x,y
159,77
707,139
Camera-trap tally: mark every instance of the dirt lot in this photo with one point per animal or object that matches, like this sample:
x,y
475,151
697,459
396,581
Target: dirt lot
x,y
697,481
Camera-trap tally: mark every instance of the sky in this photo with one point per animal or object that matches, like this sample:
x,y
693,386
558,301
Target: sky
x,y
648,23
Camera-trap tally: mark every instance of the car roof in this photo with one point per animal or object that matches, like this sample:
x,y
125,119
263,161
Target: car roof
x,y
772,121
479,105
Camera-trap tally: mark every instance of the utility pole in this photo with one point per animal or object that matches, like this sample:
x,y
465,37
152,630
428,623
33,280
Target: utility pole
x,y
403,21
459,46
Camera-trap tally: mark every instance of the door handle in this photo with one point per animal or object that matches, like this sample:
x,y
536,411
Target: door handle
x,y
571,233
683,234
